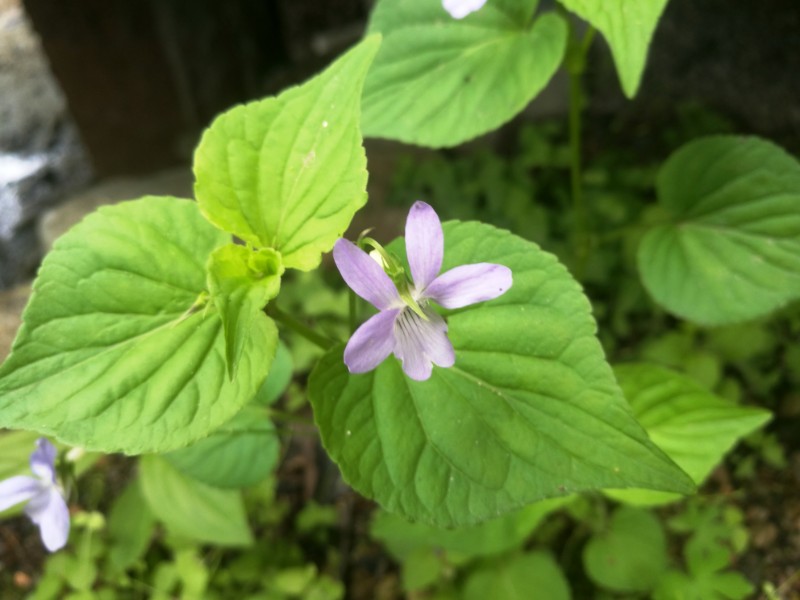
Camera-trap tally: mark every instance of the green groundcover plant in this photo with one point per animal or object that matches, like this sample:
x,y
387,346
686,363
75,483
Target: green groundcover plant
x,y
475,400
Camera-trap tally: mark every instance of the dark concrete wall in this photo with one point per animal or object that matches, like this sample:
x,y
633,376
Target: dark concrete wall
x,y
142,77
740,58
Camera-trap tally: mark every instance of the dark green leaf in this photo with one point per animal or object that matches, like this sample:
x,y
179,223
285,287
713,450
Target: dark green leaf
x,y
535,575
693,426
191,509
279,378
531,409
240,453
730,248
631,555
130,527
438,81
492,537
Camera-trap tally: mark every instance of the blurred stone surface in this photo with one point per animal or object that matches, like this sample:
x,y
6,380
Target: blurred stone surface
x,y
11,304
41,156
55,222
31,105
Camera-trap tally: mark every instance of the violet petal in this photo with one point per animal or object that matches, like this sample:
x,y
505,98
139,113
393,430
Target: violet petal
x,y
420,343
364,276
43,460
371,343
50,513
436,345
18,489
468,284
424,244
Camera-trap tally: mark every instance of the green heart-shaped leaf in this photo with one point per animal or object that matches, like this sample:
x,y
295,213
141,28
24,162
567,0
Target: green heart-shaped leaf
x,y
534,575
530,410
730,249
693,426
438,81
130,528
631,555
289,172
191,509
116,352
240,453
485,539
279,378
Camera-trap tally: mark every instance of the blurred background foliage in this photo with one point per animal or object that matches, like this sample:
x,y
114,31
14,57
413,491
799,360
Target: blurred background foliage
x,y
282,524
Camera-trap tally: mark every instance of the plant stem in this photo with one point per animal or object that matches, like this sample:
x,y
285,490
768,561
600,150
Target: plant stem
x,y
291,417
353,321
576,65
299,327
617,233
576,190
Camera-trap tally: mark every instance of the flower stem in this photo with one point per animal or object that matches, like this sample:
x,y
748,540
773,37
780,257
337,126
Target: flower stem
x,y
353,316
288,417
299,327
575,63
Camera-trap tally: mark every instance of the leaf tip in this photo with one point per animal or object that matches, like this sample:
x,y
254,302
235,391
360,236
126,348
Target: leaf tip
x,y
373,40
630,86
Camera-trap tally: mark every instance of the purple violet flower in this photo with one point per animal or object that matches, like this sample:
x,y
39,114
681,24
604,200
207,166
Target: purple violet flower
x,y
406,325
46,506
459,9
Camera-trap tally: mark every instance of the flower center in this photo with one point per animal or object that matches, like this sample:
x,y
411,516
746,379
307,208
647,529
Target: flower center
x,y
392,266
409,326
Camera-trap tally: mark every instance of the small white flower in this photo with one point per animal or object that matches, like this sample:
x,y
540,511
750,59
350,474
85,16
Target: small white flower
x,y
459,9
75,454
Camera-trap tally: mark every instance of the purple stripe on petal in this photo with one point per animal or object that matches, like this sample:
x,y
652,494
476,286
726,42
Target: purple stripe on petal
x,y
424,244
436,345
420,343
371,343
43,460
364,276
408,347
468,284
18,489
50,513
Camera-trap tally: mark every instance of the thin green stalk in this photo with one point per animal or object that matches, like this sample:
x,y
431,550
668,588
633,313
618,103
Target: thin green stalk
x,y
299,327
288,417
353,320
618,233
576,65
580,224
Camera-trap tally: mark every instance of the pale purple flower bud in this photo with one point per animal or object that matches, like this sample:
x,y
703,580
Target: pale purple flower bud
x,y
459,9
46,506
419,342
